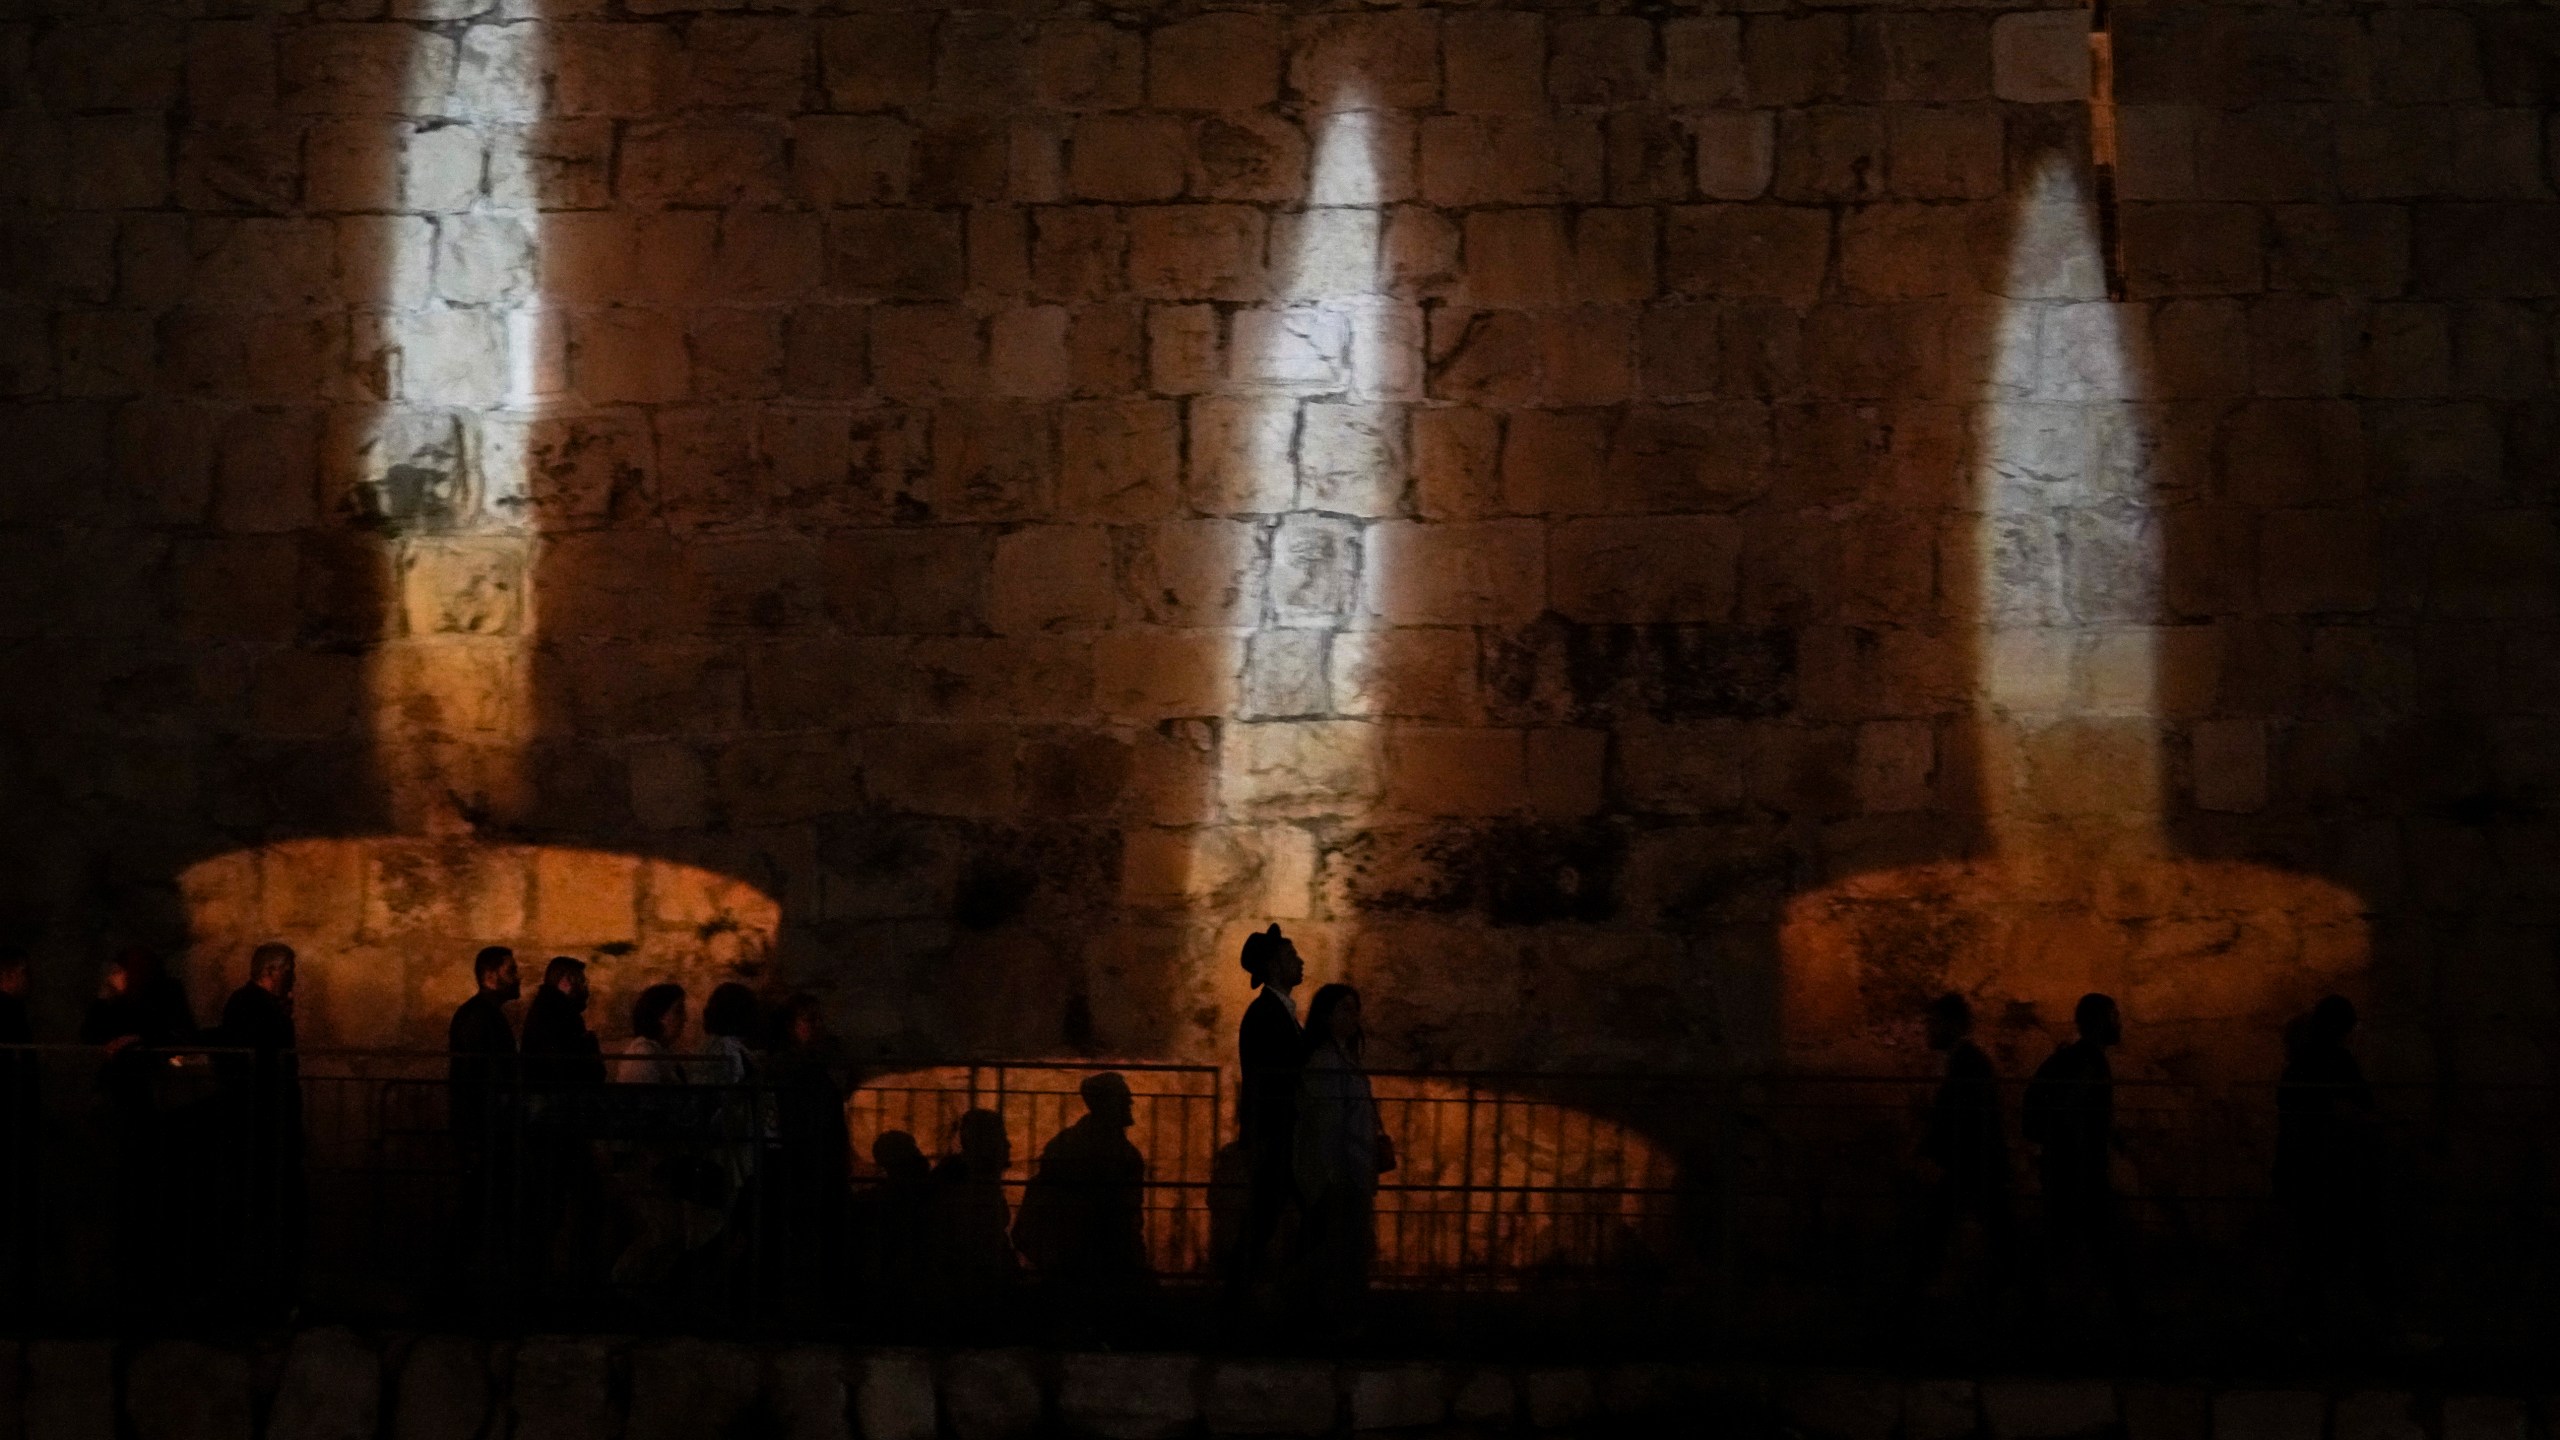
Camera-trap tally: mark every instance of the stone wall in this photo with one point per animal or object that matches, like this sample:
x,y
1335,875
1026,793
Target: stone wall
x,y
336,1385
1639,535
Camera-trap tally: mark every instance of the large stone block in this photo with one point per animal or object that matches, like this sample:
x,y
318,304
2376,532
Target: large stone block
x,y
1271,1398
992,1395
184,1390
331,1390
2025,1410
2268,1415
561,1390
1129,1397
893,1398
71,1390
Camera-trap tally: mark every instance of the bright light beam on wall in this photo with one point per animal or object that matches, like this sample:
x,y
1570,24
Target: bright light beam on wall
x,y
2080,686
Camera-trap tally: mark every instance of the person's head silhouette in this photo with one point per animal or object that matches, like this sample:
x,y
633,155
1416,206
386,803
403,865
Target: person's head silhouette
x,y
494,971
984,1143
567,974
1950,1019
899,1156
1272,960
1333,1018
659,1014
1107,1098
2333,1019
2099,1021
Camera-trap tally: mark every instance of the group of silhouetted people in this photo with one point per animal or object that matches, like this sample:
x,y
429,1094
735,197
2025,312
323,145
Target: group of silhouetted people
x,y
1313,1145
942,1243
657,1171
655,1166
2325,1115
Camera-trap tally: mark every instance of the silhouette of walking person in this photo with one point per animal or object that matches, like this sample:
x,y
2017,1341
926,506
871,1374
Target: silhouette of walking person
x,y
2069,1114
893,1228
1339,1151
1083,1219
564,1192
976,1274
480,1079
2324,1177
262,1103
1969,1148
813,1153
1271,1050
139,1014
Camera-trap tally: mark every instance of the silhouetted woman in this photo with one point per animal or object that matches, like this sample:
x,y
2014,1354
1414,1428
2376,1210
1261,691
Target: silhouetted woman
x,y
140,1012
813,1150
657,1027
1341,1150
658,1189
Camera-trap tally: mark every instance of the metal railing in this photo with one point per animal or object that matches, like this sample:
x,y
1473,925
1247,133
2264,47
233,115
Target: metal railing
x,y
1734,1212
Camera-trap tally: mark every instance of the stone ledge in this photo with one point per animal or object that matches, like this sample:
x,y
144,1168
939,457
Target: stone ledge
x,y
337,1384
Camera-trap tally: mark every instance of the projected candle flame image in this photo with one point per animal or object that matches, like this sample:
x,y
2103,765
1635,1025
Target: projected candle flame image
x,y
473,361
2080,684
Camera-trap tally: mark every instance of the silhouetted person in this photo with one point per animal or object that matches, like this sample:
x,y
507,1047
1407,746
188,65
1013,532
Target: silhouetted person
x,y
665,1186
262,1094
21,1104
564,1192
139,1014
895,1225
1083,1220
1271,1047
2324,1177
1969,1149
650,1056
814,1151
2070,1116
480,1079
1340,1150
975,1273
559,1049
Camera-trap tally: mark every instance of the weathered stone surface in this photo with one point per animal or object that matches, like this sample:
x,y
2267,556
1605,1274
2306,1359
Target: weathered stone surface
x,y
442,1390
2268,1415
1405,1397
932,375
71,1389
807,1395
893,1396
1271,1398
331,1389
991,1394
691,1387
2029,1410
2377,1415
1129,1397
561,1389
184,1390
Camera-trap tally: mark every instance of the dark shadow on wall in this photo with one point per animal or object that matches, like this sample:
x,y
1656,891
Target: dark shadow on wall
x,y
2354,321
198,563
858,573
